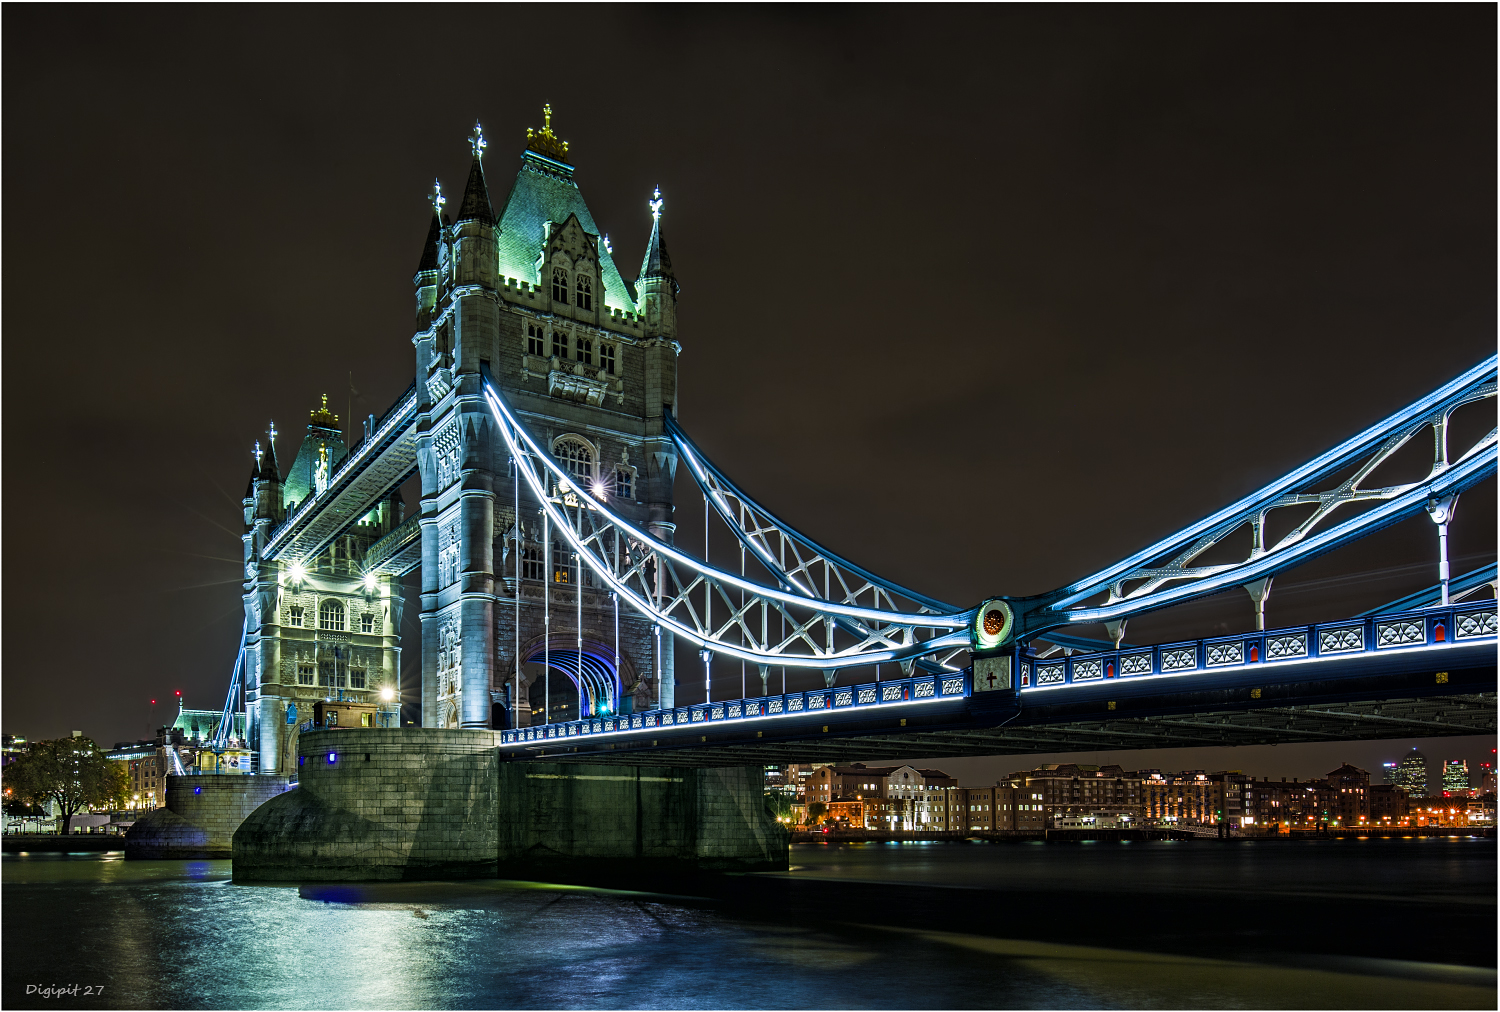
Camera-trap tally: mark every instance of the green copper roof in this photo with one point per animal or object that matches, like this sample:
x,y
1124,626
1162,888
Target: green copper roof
x,y
301,477
203,723
544,191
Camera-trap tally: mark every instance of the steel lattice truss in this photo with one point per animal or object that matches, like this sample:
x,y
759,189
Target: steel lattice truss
x,y
818,610
1165,573
798,564
723,612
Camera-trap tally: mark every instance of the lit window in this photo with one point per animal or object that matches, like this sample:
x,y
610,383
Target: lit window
x,y
585,351
607,358
535,340
585,292
559,344
294,615
559,285
367,623
331,616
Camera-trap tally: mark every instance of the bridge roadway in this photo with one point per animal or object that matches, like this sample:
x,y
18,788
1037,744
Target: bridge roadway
x,y
1422,673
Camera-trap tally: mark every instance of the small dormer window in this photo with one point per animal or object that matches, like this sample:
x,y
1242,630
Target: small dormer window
x,y
585,350
536,340
585,292
559,344
559,285
607,358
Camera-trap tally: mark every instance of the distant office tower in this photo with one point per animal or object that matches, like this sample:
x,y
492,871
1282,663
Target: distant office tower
x,y
1409,774
1456,777
1486,779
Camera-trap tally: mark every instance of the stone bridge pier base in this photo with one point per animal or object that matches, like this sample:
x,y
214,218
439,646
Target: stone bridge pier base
x,y
422,803
200,817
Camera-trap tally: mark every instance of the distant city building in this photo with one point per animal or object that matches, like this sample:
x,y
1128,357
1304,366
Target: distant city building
x,y
11,746
1486,779
1074,789
185,746
1349,790
1410,773
1456,778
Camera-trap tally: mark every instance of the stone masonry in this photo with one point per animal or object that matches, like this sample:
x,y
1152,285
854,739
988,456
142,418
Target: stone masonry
x,y
425,803
201,816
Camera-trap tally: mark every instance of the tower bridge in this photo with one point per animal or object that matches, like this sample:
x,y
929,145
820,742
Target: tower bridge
x,y
542,425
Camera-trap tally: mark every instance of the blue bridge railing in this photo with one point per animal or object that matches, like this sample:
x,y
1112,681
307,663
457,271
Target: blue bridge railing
x,y
1433,629
1422,629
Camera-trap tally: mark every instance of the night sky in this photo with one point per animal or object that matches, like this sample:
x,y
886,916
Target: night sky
x,y
983,298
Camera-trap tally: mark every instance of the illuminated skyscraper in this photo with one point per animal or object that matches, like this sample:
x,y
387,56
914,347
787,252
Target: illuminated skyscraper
x,y
1456,777
1410,774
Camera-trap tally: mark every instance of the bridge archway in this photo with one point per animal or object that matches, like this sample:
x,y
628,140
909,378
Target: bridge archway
x,y
595,675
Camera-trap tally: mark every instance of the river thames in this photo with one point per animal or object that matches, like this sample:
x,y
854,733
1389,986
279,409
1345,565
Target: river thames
x,y
1232,924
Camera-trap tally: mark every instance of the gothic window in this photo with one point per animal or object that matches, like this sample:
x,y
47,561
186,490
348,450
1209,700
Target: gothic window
x,y
367,623
531,563
305,672
330,675
559,344
585,292
624,484
331,616
607,358
535,340
585,349
560,285
577,459
294,615
356,678
562,563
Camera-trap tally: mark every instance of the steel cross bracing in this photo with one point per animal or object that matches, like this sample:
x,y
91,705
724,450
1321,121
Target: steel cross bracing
x,y
797,563
1165,574
717,610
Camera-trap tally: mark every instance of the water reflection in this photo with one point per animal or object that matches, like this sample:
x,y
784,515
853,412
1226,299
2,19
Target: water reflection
x,y
182,935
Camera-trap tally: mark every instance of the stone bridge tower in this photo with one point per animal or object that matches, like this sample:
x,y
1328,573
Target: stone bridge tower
x,y
532,295
322,629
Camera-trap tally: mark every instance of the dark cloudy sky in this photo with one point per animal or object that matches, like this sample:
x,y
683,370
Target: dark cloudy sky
x,y
983,297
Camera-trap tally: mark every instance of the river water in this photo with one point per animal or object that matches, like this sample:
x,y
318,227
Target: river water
x,y
1190,924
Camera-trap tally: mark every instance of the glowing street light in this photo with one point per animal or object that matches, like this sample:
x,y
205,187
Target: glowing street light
x,y
387,694
370,580
296,571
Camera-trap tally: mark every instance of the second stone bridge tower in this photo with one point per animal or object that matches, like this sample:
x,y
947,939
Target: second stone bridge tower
x,y
512,628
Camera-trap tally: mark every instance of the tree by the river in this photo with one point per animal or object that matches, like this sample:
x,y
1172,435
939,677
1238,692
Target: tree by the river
x,y
70,771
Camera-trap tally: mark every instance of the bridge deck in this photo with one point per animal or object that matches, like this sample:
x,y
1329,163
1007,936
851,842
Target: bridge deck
x,y
1371,684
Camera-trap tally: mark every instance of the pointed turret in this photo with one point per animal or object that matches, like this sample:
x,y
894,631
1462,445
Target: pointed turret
x,y
429,260
269,469
657,286
476,202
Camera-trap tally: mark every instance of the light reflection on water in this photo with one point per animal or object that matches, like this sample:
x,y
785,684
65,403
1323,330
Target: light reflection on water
x,y
181,935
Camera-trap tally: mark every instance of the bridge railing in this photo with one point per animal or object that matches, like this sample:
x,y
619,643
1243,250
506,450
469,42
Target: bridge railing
x,y
1433,629
836,699
1424,628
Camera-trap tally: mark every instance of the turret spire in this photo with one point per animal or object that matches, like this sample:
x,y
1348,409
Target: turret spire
x,y
268,466
476,202
657,263
544,142
429,260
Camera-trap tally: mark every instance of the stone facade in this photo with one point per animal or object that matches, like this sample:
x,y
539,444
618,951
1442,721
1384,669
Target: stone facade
x,y
532,297
200,817
422,803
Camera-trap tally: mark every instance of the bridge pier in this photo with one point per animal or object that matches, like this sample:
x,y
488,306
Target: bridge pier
x,y
200,817
424,803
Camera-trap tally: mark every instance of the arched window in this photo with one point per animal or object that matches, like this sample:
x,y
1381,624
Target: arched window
x,y
577,459
560,285
584,348
331,616
585,292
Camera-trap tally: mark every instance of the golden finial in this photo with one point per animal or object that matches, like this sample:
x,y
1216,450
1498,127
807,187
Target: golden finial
x,y
544,141
322,416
